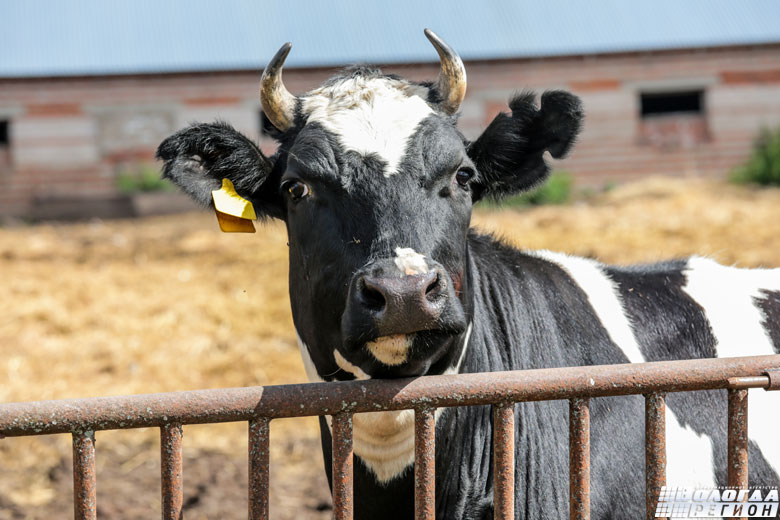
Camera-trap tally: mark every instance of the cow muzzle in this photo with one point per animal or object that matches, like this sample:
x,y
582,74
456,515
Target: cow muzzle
x,y
387,301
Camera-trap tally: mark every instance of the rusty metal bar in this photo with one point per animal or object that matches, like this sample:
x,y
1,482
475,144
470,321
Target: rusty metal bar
x,y
738,439
243,404
655,450
504,461
342,466
259,461
750,382
84,476
579,459
773,374
424,464
171,471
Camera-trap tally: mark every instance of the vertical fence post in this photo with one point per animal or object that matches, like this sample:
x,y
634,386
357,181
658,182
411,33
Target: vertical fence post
x,y
424,464
579,458
342,466
171,471
655,450
738,439
259,460
504,461
84,479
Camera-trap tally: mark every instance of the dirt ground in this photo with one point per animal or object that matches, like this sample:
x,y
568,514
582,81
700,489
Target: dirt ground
x,y
163,304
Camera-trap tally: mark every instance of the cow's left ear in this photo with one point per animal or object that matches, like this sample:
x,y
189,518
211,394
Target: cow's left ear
x,y
509,155
198,157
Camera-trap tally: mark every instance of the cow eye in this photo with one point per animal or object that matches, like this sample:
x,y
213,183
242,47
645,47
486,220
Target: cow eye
x,y
463,176
295,188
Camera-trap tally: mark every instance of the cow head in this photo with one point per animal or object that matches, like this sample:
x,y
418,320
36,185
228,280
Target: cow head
x,y
375,185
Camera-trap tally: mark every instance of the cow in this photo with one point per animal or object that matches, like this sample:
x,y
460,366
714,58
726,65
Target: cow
x,y
375,185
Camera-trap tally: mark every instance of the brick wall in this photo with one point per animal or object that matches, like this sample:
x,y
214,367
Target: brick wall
x,y
70,137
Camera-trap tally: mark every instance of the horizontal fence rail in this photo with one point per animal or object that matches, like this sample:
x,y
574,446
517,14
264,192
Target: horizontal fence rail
x,y
258,405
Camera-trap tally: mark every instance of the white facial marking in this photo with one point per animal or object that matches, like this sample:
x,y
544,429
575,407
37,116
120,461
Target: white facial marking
x,y
689,455
391,350
346,366
308,364
409,262
456,369
727,296
370,115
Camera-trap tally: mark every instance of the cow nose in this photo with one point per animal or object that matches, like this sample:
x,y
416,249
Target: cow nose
x,y
403,304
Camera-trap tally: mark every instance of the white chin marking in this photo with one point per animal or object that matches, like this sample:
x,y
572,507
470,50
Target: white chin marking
x,y
370,115
410,262
391,350
346,366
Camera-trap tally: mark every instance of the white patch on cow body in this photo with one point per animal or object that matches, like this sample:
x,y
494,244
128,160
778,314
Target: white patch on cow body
x,y
384,441
689,460
370,115
604,297
391,350
689,455
410,262
727,296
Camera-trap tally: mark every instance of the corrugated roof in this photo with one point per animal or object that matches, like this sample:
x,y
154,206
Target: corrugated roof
x,y
84,37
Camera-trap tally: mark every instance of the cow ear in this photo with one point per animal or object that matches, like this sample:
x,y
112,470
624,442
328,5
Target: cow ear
x,y
509,155
198,157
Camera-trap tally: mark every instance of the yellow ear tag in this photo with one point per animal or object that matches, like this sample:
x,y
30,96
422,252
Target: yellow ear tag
x,y
234,213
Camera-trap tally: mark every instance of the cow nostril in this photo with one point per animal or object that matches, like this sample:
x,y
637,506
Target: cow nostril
x,y
372,298
434,288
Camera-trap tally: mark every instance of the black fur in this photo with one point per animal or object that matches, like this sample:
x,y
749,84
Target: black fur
x,y
198,157
509,153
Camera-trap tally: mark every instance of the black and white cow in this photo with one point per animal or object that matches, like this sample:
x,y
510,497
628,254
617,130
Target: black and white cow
x,y
376,185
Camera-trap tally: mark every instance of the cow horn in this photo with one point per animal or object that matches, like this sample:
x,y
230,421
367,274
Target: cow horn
x,y
278,103
451,84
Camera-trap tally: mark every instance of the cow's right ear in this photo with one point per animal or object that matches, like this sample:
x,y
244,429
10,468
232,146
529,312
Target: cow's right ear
x,y
198,157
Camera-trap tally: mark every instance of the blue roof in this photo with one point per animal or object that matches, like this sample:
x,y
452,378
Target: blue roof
x,y
86,37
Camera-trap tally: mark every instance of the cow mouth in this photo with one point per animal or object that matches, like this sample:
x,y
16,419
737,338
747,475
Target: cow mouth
x,y
398,355
392,350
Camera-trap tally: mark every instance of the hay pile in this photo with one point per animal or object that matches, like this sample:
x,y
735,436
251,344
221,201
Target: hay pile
x,y
170,303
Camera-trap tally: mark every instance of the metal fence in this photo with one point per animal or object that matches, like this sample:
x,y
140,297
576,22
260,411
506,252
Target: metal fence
x,y
259,405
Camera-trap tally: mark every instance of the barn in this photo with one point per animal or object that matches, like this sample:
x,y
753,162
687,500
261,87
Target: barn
x,y
88,89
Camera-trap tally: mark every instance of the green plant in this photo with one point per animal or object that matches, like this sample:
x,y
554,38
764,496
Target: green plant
x,y
142,179
763,166
556,190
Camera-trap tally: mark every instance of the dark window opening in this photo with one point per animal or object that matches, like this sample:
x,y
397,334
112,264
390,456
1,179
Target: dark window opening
x,y
658,104
5,138
673,120
5,145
